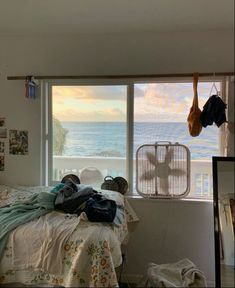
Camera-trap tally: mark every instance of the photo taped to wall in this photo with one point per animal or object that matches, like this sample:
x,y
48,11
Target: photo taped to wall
x,y
2,147
18,142
2,121
3,133
2,163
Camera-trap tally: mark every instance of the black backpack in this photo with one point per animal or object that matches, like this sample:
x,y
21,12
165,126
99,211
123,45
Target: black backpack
x,y
100,209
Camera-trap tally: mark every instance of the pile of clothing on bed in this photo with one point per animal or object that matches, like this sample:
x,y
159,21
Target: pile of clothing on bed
x,y
75,198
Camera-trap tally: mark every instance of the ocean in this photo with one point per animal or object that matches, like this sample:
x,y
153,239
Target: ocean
x,y
109,138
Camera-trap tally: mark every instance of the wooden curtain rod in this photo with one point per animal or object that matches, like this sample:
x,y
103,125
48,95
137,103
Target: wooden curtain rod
x,y
180,75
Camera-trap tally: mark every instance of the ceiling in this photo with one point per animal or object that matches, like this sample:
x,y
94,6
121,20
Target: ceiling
x,y
72,17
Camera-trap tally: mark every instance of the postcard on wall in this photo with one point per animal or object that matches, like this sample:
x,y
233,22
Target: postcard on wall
x,y
2,163
2,121
18,142
2,147
3,133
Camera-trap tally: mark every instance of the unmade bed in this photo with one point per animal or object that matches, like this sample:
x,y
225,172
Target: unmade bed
x,y
35,253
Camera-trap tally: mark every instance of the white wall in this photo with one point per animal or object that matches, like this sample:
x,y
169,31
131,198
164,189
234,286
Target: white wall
x,y
169,231
97,54
187,226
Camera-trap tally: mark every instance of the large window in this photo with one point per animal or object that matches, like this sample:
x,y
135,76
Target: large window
x,y
89,132
95,130
160,114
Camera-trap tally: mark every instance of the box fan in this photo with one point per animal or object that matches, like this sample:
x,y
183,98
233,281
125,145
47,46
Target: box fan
x,y
163,170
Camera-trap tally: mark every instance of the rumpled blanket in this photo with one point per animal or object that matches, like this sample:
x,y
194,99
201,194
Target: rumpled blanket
x,y
89,255
183,273
47,235
22,212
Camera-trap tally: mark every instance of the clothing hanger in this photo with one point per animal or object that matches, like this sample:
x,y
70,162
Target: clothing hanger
x,y
214,87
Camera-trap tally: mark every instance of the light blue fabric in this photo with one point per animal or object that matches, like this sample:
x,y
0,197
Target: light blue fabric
x,y
119,217
57,188
22,212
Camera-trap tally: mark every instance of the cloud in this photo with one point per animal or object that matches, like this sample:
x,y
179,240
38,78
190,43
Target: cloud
x,y
153,101
89,93
160,101
168,101
114,112
159,117
76,115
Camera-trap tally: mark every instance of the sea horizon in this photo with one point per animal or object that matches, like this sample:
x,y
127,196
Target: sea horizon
x,y
108,139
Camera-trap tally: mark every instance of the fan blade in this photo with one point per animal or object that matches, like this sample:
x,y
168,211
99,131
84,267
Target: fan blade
x,y
168,156
151,157
177,172
148,175
164,185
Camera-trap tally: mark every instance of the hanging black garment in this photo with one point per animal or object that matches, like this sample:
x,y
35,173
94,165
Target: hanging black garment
x,y
213,111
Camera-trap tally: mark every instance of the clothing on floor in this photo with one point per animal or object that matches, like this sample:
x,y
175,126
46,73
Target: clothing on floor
x,y
183,273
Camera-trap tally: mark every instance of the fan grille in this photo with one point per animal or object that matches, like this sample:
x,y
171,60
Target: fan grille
x,y
163,170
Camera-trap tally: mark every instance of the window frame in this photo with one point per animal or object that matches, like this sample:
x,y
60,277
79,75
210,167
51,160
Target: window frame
x,y
47,123
46,118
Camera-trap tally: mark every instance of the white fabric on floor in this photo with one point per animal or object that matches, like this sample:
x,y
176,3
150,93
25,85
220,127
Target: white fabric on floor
x,y
183,273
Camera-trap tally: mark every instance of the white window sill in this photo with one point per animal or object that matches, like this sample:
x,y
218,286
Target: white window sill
x,y
196,200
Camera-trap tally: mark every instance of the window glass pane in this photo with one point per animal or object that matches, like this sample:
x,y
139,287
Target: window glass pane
x,y
160,114
89,132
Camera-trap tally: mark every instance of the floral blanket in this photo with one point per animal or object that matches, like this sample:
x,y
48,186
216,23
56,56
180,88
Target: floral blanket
x,y
90,255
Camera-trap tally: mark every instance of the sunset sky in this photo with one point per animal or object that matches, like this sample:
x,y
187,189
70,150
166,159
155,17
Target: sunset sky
x,y
158,102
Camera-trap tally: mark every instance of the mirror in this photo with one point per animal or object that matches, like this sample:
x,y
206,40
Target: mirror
x,y
224,209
